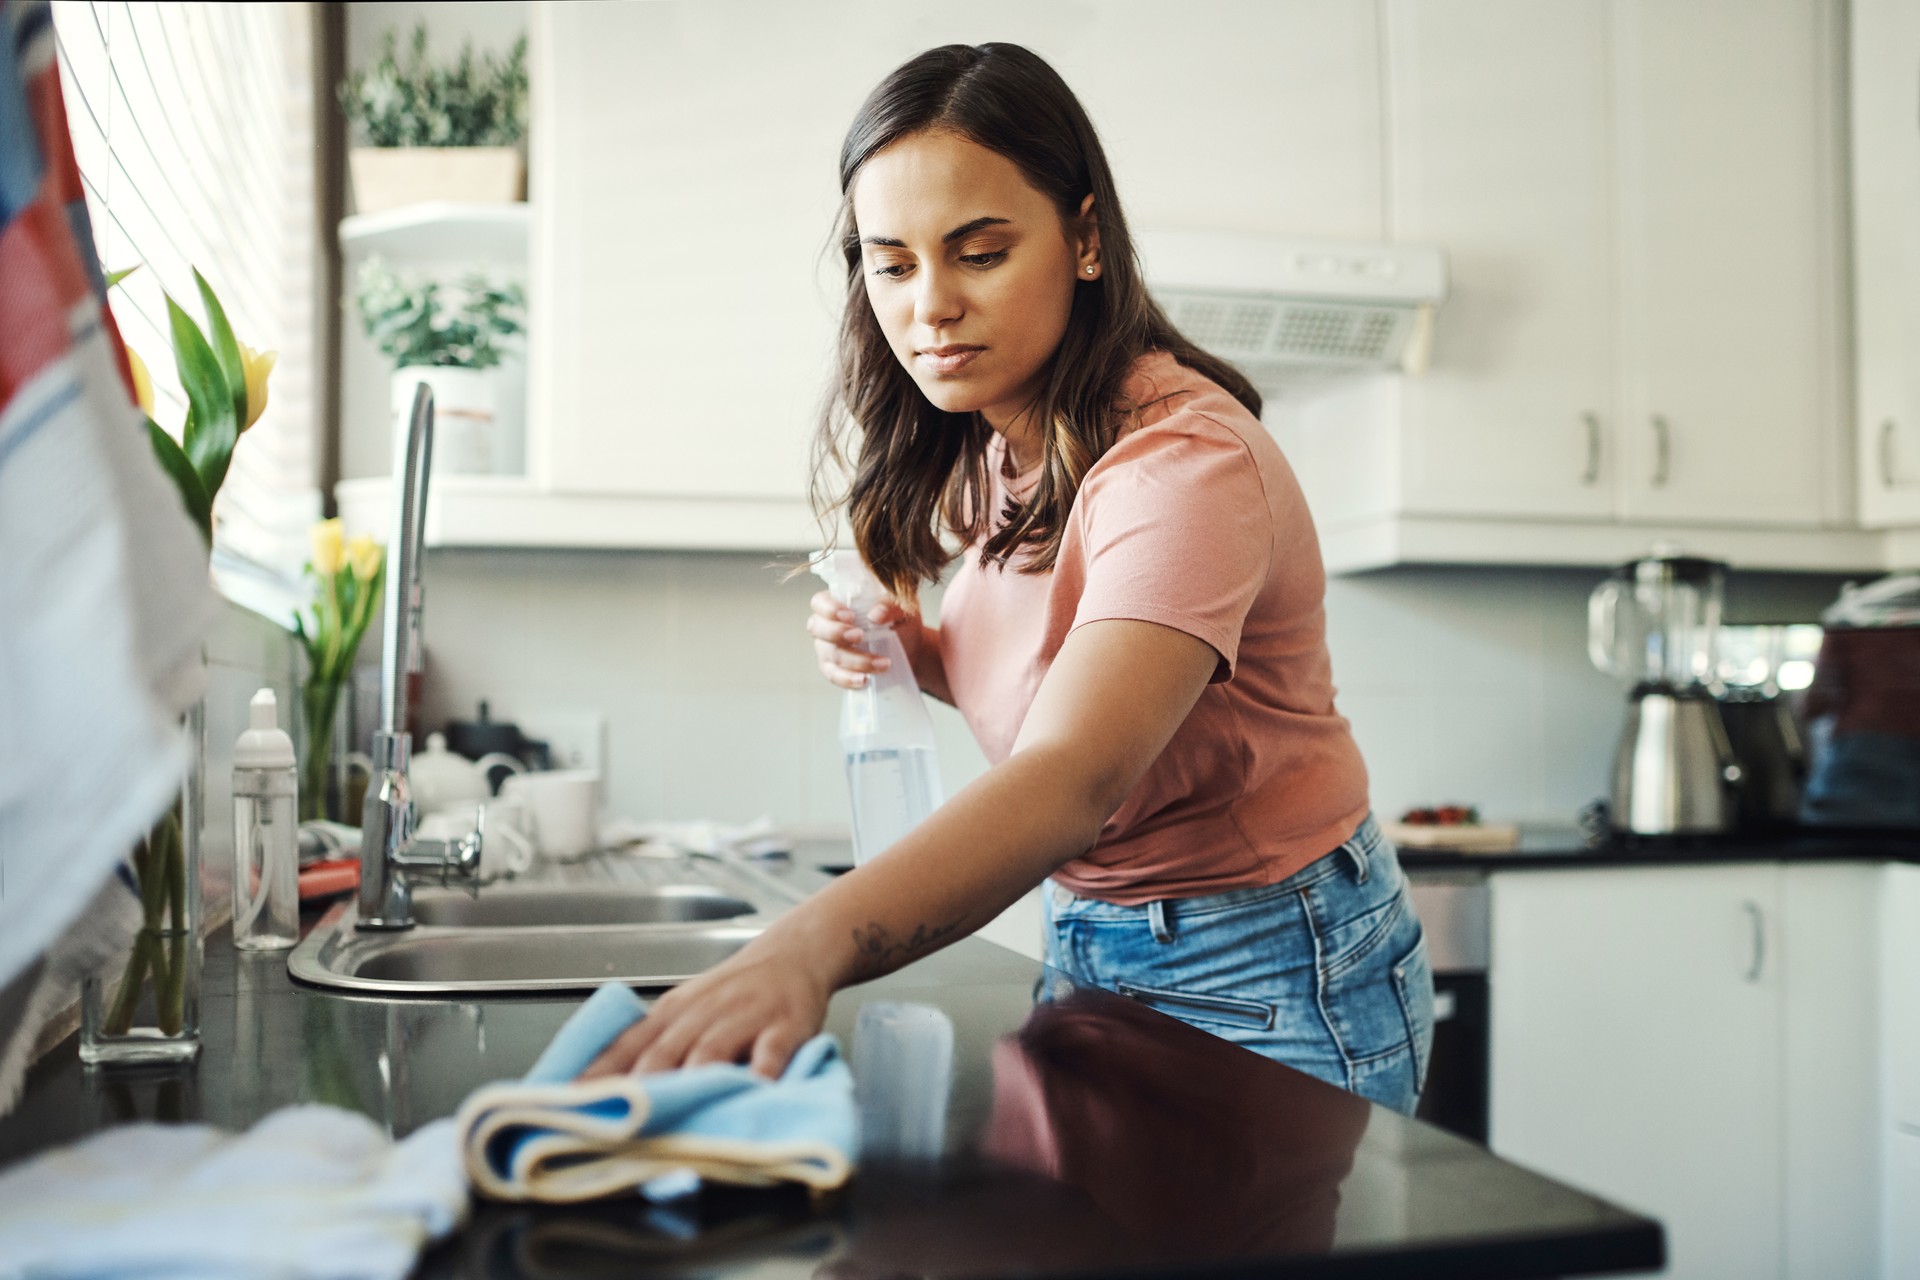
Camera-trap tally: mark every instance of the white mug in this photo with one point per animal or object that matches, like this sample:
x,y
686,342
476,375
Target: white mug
x,y
563,808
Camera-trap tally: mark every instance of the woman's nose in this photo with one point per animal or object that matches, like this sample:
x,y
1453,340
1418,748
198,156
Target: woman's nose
x,y
937,301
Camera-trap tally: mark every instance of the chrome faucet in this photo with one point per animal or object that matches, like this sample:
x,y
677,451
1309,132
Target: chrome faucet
x,y
390,856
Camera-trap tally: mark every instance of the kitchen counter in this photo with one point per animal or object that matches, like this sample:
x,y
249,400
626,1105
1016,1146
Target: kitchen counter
x,y
1085,1134
1564,848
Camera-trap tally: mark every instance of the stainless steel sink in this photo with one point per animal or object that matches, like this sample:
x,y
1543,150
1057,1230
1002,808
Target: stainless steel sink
x,y
642,921
534,906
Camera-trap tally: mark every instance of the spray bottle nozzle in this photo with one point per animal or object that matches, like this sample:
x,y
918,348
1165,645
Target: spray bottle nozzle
x,y
848,579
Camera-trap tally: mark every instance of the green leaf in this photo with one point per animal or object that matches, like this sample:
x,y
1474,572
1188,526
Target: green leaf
x,y
174,461
116,277
225,348
211,429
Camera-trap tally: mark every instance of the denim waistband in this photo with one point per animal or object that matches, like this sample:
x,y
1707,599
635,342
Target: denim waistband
x,y
1356,854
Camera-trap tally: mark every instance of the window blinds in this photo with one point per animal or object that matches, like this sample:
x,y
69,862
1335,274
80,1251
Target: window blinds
x,y
194,129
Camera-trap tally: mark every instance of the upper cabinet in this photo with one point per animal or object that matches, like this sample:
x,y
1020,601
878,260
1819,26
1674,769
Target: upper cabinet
x,y
683,296
1499,144
1886,241
1640,204
1731,270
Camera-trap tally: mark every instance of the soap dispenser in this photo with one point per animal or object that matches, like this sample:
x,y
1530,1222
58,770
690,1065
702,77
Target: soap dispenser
x,y
266,857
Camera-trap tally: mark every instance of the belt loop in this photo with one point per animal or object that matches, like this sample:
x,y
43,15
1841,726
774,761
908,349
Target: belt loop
x,y
1157,917
1353,851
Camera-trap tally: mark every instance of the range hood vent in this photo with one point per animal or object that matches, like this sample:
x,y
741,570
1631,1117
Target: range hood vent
x,y
1280,308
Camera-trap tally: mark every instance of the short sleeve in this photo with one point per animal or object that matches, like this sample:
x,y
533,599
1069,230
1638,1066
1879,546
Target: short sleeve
x,y
1176,529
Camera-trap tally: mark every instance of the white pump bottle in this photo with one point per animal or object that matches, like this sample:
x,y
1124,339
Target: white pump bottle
x,y
893,773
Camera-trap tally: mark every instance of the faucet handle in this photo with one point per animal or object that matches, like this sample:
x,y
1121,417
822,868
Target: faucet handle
x,y
447,861
464,859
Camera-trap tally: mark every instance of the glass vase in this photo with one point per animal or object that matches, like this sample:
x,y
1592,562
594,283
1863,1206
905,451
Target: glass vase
x,y
143,1006
320,714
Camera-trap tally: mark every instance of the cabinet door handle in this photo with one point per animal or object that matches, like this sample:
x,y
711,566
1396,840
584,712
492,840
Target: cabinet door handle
x,y
1758,920
1592,473
1888,438
1662,451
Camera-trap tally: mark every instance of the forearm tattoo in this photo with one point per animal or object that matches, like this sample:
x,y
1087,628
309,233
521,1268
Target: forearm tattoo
x,y
877,951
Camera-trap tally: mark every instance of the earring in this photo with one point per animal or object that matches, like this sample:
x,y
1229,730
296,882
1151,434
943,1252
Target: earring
x,y
1089,270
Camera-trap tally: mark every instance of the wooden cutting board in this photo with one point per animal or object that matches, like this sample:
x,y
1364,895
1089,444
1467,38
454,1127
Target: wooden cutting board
x,y
1466,837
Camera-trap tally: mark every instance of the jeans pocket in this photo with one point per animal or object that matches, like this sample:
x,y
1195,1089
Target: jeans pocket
x,y
1413,984
1190,1007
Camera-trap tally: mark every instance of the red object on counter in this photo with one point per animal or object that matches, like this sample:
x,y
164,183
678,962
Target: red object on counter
x,y
325,879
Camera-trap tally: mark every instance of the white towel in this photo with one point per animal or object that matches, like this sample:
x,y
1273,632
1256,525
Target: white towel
x,y
104,591
309,1193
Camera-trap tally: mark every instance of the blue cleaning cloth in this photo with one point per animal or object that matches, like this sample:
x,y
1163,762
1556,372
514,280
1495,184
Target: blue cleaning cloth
x,y
550,1137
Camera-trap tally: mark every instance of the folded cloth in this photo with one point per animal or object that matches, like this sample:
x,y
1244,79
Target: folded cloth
x,y
756,839
550,1137
310,1192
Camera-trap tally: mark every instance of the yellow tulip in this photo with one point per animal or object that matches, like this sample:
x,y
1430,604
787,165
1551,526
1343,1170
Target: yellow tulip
x,y
257,365
142,382
329,548
365,555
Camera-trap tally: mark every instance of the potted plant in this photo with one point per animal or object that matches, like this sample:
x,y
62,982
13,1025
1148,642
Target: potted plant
x,y
450,337
437,133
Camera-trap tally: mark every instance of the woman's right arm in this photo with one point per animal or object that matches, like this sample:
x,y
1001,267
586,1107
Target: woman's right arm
x,y
844,662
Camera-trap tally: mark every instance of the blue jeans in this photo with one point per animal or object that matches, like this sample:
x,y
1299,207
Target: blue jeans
x,y
1325,971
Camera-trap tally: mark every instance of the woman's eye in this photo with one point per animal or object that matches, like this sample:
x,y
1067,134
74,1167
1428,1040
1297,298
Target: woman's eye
x,y
891,270
983,259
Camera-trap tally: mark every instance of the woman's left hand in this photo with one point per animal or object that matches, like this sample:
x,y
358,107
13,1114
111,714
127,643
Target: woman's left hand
x,y
756,1008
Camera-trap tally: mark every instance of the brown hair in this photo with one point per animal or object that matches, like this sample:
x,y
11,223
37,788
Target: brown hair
x,y
921,472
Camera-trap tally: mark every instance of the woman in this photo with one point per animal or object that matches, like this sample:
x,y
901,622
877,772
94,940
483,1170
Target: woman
x,y
1136,636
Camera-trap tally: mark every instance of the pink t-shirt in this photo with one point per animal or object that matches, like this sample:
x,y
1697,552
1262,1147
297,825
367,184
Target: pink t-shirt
x,y
1192,520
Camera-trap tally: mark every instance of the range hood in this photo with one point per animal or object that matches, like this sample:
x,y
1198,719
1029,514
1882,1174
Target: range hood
x,y
1281,308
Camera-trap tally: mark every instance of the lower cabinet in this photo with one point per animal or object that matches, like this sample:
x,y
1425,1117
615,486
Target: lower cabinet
x,y
1900,1015
1698,1043
1902,1195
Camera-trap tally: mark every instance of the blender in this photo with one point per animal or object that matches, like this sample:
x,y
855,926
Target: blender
x,y
1652,623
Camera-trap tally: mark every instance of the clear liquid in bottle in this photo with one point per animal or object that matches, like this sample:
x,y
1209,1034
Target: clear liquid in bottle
x,y
266,884
892,790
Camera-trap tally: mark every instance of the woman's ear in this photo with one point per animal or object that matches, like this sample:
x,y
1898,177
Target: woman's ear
x,y
1086,235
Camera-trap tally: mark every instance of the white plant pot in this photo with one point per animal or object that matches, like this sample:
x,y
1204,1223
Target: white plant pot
x,y
391,177
466,425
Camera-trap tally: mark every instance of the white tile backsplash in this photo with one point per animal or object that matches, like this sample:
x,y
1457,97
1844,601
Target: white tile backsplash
x,y
1463,684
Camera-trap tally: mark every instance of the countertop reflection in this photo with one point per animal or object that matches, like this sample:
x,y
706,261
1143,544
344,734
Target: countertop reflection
x,y
1041,1129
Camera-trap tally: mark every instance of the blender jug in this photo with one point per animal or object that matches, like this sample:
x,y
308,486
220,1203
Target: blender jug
x,y
1652,624
1653,621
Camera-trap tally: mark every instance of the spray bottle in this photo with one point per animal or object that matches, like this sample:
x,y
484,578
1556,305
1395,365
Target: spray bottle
x,y
893,775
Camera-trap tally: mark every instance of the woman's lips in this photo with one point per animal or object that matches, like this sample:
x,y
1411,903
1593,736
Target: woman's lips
x,y
945,361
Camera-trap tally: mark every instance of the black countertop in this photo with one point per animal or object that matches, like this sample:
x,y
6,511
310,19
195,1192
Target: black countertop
x,y
1565,849
1085,1134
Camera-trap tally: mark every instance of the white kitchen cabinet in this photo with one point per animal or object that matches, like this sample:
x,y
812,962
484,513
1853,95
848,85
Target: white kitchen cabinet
x,y
1900,924
1885,38
1636,1020
1640,202
1702,1043
1731,259
1499,149
1900,1018
683,294
1902,1195
1829,961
